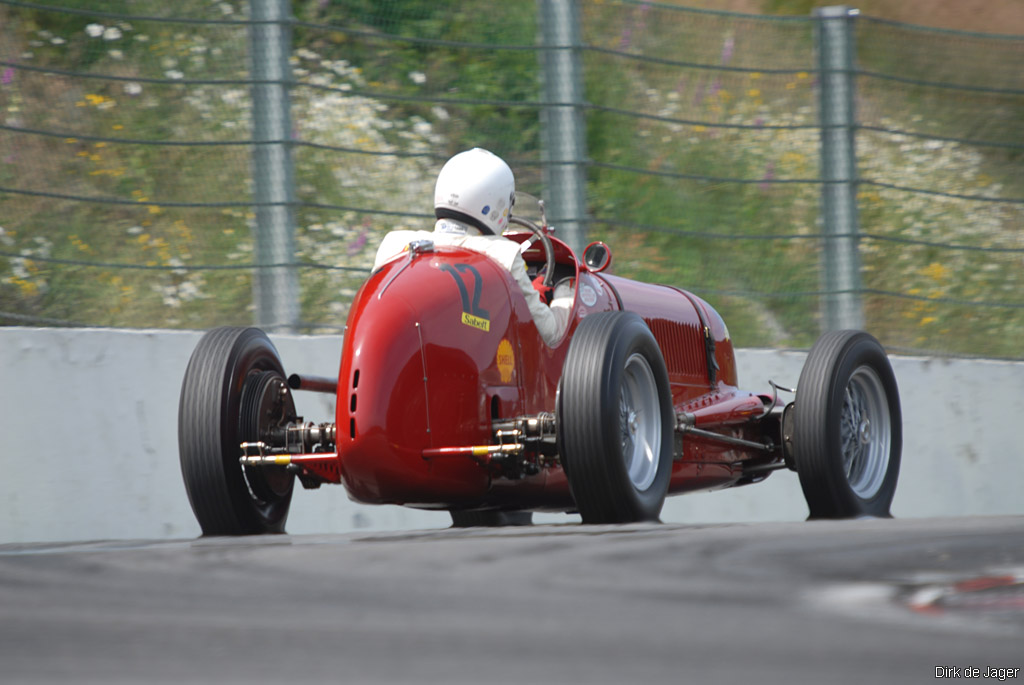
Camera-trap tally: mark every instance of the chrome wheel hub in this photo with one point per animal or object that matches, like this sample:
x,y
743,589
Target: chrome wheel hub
x,y
865,433
640,422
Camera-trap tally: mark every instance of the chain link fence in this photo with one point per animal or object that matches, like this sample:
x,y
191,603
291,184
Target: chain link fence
x,y
131,164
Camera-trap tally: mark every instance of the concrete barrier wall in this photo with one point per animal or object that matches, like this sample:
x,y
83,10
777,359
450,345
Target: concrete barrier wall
x,y
89,420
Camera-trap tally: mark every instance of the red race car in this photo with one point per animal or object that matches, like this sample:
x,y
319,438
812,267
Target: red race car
x,y
448,398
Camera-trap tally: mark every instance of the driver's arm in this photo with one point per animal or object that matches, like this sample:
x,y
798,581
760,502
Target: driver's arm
x,y
543,317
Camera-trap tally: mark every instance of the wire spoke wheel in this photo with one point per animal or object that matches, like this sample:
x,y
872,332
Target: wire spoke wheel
x,y
615,420
847,435
640,422
865,433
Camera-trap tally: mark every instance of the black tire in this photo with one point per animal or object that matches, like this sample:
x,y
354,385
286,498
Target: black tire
x,y
490,519
234,390
847,427
616,445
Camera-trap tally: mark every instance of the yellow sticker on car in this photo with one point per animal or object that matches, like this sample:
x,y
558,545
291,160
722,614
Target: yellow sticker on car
x,y
476,321
505,360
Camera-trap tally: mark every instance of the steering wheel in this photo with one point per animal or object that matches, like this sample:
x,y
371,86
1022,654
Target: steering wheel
x,y
549,249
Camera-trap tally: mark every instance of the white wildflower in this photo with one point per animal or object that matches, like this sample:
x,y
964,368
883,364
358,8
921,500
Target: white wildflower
x,y
174,74
177,263
95,30
132,88
189,291
112,33
417,77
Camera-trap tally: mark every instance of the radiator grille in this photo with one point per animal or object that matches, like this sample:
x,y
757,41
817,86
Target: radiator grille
x,y
682,346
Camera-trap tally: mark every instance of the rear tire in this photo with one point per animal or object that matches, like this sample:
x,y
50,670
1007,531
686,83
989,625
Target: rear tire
x,y
615,420
234,391
847,427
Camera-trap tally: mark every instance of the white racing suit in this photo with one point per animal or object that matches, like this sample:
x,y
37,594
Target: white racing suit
x,y
500,249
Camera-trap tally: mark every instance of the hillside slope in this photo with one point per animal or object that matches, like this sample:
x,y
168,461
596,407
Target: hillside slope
x,y
986,16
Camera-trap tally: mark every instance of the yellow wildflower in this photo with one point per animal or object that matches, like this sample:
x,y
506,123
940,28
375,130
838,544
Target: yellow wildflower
x,y
935,271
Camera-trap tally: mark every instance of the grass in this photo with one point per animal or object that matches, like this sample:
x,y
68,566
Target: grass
x,y
731,204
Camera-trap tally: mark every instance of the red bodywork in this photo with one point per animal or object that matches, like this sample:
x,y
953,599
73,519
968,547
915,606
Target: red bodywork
x,y
441,346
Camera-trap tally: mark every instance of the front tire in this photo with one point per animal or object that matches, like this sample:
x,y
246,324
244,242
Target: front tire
x,y
234,391
615,420
847,433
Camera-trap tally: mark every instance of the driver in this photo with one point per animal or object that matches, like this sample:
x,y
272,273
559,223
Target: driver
x,y
473,198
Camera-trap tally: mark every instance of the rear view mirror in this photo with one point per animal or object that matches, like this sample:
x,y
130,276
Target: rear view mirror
x,y
597,257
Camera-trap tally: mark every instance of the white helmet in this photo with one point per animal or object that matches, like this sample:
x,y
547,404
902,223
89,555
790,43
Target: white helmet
x,y
476,187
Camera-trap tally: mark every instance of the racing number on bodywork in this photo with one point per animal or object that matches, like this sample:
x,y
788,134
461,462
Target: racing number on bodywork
x,y
472,313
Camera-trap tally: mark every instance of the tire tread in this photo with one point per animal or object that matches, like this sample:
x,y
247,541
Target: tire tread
x,y
216,492
587,398
816,448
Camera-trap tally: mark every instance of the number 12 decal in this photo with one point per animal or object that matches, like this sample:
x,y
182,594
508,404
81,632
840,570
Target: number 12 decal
x,y
472,313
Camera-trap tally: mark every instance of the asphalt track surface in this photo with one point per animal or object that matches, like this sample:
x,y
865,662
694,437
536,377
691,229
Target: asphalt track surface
x,y
873,601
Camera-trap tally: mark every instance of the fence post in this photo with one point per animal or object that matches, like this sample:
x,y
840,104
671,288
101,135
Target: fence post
x,y
834,39
275,288
562,125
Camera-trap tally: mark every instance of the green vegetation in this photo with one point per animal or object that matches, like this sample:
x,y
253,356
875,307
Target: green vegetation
x,y
704,169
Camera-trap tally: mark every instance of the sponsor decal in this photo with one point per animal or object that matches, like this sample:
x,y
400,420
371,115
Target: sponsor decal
x,y
588,295
486,210
445,226
506,360
476,322
472,313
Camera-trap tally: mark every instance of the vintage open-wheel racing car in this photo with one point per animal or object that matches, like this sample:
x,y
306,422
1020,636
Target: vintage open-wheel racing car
x,y
448,398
